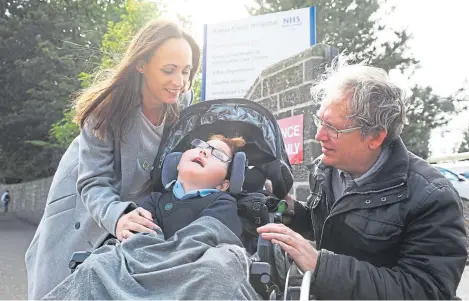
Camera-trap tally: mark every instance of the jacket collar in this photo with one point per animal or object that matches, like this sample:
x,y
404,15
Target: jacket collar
x,y
393,172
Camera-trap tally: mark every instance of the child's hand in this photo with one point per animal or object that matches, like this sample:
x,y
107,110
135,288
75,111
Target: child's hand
x,y
138,220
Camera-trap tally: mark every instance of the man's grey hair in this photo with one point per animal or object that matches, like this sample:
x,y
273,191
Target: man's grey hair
x,y
375,103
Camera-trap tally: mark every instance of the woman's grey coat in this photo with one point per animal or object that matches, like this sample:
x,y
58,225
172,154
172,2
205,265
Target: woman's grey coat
x,y
87,196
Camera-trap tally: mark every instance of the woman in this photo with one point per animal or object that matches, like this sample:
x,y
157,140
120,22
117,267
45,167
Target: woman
x,y
108,165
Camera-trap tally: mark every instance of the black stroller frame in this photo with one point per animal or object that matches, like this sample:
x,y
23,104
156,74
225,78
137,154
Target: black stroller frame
x,y
267,157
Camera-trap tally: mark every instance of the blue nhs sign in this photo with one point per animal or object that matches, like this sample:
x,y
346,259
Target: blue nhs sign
x,y
297,20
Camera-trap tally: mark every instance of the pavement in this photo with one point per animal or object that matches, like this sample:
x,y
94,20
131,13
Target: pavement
x,y
15,236
463,288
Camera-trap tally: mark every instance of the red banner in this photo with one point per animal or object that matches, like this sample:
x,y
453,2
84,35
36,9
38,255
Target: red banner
x,y
292,133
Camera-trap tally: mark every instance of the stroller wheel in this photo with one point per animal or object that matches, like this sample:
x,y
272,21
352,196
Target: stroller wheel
x,y
297,285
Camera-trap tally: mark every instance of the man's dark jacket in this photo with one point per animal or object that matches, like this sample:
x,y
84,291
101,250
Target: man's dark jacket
x,y
401,236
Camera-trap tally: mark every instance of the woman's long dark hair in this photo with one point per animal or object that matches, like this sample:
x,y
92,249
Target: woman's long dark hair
x,y
109,102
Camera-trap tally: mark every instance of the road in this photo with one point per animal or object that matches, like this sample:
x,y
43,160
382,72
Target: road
x,y
15,236
463,288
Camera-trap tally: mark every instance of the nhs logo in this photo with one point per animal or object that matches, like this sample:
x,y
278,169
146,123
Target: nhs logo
x,y
291,21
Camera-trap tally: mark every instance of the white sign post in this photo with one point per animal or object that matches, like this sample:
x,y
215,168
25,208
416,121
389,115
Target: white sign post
x,y
235,52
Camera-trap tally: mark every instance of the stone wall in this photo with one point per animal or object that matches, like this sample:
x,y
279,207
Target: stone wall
x,y
284,88
28,200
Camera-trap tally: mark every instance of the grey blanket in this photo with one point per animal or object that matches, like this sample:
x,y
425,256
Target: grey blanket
x,y
205,260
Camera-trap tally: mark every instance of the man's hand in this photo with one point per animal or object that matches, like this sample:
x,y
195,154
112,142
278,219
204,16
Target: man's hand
x,y
138,220
299,249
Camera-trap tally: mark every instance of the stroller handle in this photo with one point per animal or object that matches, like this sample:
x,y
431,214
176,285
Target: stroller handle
x,y
305,284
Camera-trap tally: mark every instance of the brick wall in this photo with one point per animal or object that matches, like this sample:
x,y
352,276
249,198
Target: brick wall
x,y
284,88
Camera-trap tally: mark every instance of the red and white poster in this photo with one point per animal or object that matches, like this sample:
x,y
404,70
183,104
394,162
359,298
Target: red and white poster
x,y
292,132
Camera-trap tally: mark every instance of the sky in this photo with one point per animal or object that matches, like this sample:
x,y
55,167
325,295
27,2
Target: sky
x,y
438,44
439,41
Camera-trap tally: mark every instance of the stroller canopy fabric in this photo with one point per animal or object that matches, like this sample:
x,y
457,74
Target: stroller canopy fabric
x,y
230,117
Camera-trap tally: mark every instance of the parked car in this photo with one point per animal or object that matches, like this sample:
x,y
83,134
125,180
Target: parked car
x,y
459,167
459,182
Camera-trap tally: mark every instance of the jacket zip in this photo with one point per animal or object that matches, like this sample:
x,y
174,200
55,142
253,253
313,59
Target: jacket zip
x,y
353,193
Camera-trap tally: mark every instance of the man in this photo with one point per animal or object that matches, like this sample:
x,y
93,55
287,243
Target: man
x,y
5,200
387,225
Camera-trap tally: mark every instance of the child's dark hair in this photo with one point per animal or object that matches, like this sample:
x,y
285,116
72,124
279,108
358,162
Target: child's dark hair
x,y
234,143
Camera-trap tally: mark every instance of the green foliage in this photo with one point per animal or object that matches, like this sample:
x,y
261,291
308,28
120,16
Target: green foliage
x,y
50,49
197,86
119,34
352,25
425,111
65,131
464,147
44,45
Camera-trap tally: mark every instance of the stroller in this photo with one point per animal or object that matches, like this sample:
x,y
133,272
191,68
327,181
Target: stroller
x,y
265,150
263,157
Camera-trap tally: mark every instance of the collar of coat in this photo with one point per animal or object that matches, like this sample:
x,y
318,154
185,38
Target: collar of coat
x,y
394,171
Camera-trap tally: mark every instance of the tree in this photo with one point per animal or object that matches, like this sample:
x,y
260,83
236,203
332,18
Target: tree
x,y
425,111
464,147
352,25
44,44
197,86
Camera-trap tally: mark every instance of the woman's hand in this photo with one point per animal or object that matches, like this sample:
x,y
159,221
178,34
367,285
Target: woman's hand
x,y
299,249
138,220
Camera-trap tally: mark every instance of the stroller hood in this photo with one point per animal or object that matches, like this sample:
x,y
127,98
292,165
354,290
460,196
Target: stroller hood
x,y
264,148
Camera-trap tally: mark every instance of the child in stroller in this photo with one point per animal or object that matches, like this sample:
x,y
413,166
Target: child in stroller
x,y
200,188
265,158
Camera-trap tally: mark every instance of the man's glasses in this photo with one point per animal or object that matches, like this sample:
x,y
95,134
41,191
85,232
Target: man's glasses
x,y
217,153
330,130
